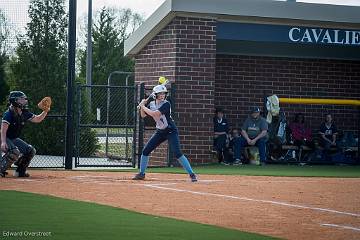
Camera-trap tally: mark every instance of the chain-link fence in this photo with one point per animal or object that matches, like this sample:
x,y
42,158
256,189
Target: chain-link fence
x,y
35,62
13,20
105,134
50,151
48,137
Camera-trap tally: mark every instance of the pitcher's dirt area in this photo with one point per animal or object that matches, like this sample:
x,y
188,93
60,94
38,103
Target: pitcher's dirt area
x,y
285,207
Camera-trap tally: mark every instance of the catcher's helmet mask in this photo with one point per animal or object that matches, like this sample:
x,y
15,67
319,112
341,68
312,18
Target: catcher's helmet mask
x,y
14,100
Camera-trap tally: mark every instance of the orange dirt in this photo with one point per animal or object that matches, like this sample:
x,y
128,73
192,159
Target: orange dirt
x,y
285,207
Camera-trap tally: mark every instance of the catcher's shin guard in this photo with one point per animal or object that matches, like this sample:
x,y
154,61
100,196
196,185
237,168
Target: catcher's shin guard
x,y
9,158
24,162
3,164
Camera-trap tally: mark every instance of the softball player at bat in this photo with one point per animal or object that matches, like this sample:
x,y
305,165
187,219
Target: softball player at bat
x,y
160,110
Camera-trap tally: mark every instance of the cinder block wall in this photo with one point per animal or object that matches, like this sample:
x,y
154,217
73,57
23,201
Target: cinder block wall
x,y
241,81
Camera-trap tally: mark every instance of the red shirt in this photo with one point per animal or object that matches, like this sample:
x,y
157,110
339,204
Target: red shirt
x,y
300,132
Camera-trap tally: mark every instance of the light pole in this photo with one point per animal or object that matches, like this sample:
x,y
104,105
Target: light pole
x,y
69,145
89,53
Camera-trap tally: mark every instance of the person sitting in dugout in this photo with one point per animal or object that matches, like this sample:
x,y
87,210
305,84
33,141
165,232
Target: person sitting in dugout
x,y
229,152
254,133
328,133
221,129
300,134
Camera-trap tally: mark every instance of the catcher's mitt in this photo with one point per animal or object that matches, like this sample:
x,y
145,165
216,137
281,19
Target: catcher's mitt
x,y
45,104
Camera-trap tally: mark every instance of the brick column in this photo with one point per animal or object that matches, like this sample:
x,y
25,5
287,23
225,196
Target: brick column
x,y
195,83
185,52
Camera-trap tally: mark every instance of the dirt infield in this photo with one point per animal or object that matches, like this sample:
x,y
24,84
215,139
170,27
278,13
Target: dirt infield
x,y
285,207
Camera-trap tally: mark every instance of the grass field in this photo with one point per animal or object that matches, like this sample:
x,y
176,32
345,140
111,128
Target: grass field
x,y
115,149
27,213
57,218
113,131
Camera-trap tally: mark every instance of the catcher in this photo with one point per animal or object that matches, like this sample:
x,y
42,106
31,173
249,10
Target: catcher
x,y
15,150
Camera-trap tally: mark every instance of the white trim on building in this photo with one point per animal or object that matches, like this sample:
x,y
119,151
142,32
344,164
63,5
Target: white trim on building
x,y
256,11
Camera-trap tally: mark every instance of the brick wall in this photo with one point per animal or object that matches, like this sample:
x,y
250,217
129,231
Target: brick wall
x,y
157,59
195,82
185,52
242,80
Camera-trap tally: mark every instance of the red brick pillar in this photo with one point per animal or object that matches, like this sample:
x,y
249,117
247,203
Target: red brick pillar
x,y
185,52
195,84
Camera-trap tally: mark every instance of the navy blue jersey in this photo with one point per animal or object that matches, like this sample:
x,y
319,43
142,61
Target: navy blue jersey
x,y
328,131
221,125
165,120
16,122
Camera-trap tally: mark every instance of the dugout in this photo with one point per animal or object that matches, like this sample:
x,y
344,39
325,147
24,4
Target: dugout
x,y
231,53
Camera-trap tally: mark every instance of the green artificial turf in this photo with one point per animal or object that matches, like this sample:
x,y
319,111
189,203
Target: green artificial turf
x,y
57,218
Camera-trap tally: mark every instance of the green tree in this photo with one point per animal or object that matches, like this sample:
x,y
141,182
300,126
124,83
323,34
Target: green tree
x,y
4,33
40,69
111,28
4,87
40,66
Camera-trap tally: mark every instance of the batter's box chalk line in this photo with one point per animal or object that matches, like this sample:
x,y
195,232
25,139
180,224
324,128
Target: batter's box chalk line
x,y
27,180
279,203
340,226
157,184
91,178
182,180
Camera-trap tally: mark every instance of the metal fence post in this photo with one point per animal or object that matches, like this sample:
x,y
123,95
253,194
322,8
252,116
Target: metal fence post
x,y
77,127
135,119
126,117
107,117
141,126
69,146
172,102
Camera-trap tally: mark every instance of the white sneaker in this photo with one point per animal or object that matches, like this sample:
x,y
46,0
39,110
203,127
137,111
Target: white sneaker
x,y
237,162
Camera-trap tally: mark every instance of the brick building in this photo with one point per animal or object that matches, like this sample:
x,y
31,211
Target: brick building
x,y
232,53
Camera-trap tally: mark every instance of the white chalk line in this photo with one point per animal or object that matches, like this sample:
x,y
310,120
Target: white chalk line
x,y
158,184
180,180
254,200
340,226
104,179
27,180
